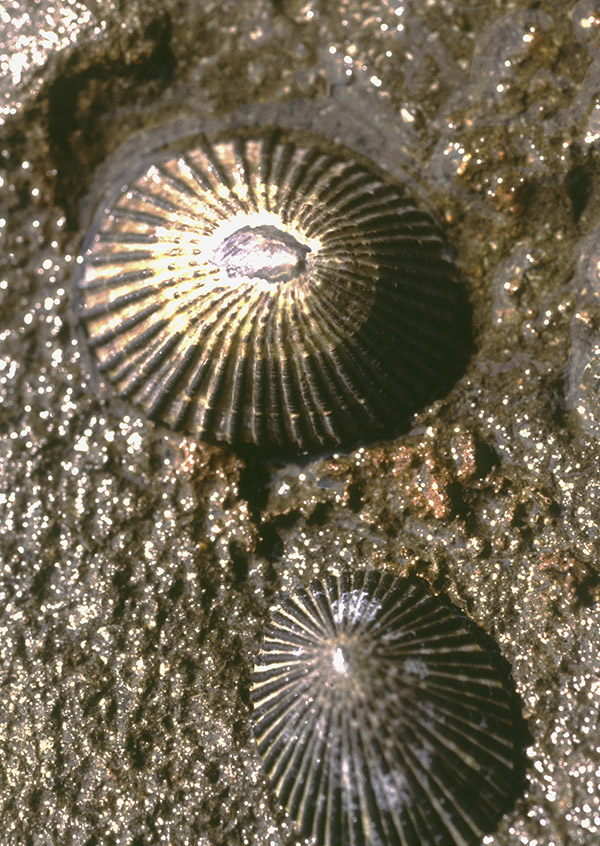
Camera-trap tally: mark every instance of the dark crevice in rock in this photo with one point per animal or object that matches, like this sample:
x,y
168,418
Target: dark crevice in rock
x,y
355,496
270,545
320,514
239,560
254,484
579,185
84,100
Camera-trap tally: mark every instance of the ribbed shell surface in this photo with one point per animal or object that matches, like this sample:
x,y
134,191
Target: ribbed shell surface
x,y
379,718
270,287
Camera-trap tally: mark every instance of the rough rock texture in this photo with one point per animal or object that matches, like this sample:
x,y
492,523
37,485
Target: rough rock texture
x,y
137,568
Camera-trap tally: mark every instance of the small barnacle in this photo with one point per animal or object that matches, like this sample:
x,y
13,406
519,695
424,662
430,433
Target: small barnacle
x,y
380,717
270,287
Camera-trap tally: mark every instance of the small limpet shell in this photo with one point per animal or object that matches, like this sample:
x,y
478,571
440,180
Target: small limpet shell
x,y
270,287
380,718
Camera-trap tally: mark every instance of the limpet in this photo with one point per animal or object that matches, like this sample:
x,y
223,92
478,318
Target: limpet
x,y
270,287
380,718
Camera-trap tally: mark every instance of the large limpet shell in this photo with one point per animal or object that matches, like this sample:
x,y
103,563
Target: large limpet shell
x,y
380,717
270,287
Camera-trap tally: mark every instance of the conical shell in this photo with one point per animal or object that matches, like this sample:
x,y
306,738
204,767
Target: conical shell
x,y
380,719
270,287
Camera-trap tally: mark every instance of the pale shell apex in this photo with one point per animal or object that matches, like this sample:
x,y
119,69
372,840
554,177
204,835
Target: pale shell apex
x,y
270,287
380,718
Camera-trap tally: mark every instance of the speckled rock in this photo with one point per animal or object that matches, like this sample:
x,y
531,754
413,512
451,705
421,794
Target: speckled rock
x,y
136,568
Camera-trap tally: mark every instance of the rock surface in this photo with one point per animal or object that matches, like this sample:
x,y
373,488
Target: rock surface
x,y
137,568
